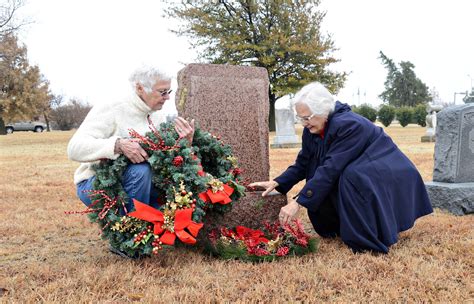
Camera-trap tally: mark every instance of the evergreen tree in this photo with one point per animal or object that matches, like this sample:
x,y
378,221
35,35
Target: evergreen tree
x,y
386,115
284,37
404,115
419,115
402,87
367,111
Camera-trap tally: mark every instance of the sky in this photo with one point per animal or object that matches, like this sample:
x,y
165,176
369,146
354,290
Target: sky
x,y
88,48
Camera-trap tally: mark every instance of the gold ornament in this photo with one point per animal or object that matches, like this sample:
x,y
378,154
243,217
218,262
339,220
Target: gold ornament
x,y
274,244
233,161
216,185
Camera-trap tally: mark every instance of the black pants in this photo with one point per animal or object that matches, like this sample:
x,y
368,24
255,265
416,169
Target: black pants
x,y
326,220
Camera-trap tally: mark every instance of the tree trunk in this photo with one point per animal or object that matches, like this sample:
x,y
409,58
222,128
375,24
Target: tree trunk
x,y
46,120
271,115
3,131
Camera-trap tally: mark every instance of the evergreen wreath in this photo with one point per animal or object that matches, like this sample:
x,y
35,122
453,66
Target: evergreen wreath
x,y
274,241
191,180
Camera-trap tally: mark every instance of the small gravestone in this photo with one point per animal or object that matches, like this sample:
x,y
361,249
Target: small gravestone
x,y
232,102
453,176
285,124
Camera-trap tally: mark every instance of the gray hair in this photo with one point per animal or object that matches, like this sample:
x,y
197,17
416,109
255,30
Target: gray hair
x,y
319,100
147,76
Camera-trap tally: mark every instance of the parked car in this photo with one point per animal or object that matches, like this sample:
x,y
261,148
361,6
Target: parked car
x,y
36,126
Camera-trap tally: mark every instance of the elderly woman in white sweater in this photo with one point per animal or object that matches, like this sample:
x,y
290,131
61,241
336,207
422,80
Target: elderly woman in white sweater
x,y
104,134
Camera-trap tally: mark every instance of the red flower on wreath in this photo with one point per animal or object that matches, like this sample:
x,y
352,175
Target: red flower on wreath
x,y
251,237
257,251
282,251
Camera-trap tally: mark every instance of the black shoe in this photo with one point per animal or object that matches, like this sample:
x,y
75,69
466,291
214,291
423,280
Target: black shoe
x,y
123,254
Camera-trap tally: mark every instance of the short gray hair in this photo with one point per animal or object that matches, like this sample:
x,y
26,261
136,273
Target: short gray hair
x,y
147,76
319,100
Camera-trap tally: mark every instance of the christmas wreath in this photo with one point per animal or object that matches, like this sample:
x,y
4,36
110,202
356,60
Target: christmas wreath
x,y
190,179
273,242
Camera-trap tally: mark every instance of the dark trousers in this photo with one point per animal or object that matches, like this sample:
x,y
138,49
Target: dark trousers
x,y
326,220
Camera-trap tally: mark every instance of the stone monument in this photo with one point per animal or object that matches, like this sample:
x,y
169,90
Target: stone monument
x,y
431,121
232,102
453,175
285,124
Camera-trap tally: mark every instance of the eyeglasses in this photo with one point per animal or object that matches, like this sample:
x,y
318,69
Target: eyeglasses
x,y
164,92
304,119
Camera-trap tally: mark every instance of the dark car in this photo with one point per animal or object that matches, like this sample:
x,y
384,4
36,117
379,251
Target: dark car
x,y
36,126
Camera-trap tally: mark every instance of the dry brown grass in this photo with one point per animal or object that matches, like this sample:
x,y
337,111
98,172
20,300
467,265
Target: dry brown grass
x,y
46,256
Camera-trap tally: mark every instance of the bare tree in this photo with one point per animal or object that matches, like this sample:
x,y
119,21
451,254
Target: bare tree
x,y
9,21
53,102
70,115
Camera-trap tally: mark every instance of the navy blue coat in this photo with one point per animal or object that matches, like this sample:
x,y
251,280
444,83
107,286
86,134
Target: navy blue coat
x,y
359,185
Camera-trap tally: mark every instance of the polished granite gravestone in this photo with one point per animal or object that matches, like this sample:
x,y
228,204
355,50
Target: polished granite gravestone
x,y
232,102
452,188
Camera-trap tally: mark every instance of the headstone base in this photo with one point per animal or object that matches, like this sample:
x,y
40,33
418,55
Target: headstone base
x,y
285,142
250,211
285,146
285,139
457,198
428,138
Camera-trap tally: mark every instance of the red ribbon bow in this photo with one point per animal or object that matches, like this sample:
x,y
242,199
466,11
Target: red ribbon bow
x,y
149,214
220,197
182,220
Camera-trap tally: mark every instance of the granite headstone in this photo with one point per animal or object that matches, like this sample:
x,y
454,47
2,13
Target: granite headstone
x,y
285,136
453,175
232,102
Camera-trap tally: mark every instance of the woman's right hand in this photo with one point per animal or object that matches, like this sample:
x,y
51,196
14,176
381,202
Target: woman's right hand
x,y
132,150
269,186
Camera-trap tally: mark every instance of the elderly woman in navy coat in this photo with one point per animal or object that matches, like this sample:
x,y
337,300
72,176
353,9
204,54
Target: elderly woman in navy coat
x,y
359,185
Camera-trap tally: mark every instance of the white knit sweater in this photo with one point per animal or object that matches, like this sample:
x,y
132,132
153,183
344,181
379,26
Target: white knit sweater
x,y
95,138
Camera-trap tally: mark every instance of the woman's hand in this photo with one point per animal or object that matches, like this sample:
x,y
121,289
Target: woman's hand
x,y
184,128
268,186
132,150
289,212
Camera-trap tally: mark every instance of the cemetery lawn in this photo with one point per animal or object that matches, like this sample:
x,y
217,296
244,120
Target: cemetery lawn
x,y
47,256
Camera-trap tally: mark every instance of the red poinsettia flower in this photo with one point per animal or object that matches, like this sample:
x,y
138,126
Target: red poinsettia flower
x,y
251,237
227,232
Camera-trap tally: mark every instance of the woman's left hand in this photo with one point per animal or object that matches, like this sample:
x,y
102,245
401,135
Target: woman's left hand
x,y
184,128
289,212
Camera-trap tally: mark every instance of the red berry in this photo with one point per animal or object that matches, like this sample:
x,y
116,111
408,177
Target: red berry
x,y
178,161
